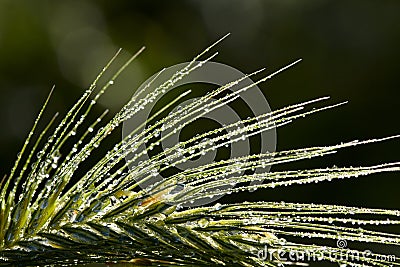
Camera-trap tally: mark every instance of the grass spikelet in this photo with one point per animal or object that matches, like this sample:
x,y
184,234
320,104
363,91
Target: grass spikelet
x,y
109,214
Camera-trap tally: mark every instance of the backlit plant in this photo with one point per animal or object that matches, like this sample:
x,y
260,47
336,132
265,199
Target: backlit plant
x,y
106,215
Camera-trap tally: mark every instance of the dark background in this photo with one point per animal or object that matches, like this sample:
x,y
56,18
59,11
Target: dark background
x,y
350,51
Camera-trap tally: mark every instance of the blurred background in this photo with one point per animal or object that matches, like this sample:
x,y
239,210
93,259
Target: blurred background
x,y
350,51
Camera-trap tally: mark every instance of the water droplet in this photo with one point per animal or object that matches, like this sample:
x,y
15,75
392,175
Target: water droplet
x,y
178,188
10,236
80,218
203,222
97,207
44,204
217,206
17,215
40,154
75,198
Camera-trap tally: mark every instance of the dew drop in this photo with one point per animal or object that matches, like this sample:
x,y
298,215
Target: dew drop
x,y
39,154
75,198
17,215
217,206
10,236
44,204
203,222
97,207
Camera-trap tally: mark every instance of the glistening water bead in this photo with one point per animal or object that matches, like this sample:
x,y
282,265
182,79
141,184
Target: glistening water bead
x,y
203,222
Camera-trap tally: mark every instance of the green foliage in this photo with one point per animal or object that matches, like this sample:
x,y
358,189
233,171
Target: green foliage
x,y
106,216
